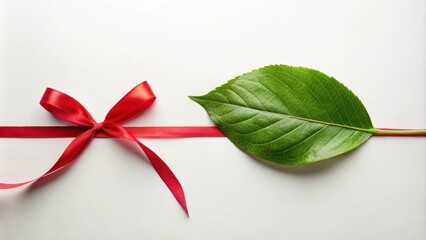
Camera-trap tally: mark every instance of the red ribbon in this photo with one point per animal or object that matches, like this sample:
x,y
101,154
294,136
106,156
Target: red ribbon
x,y
132,104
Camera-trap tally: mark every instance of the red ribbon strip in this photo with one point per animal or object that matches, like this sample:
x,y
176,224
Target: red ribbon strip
x,y
74,131
132,104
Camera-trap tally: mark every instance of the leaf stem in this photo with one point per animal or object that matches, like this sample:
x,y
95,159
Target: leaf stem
x,y
398,132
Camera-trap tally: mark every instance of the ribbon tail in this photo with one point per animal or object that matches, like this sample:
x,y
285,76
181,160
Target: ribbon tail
x,y
166,175
157,163
74,149
14,185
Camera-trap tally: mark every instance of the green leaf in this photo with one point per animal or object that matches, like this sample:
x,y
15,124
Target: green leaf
x,y
288,115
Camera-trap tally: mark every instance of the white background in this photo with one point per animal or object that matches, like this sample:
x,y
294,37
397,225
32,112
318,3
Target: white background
x,y
98,50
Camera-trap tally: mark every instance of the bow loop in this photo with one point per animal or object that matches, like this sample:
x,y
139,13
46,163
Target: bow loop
x,y
132,104
66,108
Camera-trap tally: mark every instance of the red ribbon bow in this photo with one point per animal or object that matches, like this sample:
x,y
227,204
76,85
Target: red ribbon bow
x,y
132,104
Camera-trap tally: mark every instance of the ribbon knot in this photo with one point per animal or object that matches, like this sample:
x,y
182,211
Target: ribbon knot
x,y
134,103
98,126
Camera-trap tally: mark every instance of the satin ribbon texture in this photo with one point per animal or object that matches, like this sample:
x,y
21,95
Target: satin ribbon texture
x,y
70,110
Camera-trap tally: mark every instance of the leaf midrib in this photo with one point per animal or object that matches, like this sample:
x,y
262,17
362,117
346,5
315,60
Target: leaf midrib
x,y
292,116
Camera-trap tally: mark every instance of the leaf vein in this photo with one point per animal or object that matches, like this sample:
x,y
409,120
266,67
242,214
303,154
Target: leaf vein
x,y
307,87
263,128
304,140
325,89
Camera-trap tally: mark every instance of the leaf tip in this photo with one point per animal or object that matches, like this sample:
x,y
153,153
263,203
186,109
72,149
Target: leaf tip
x,y
195,98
